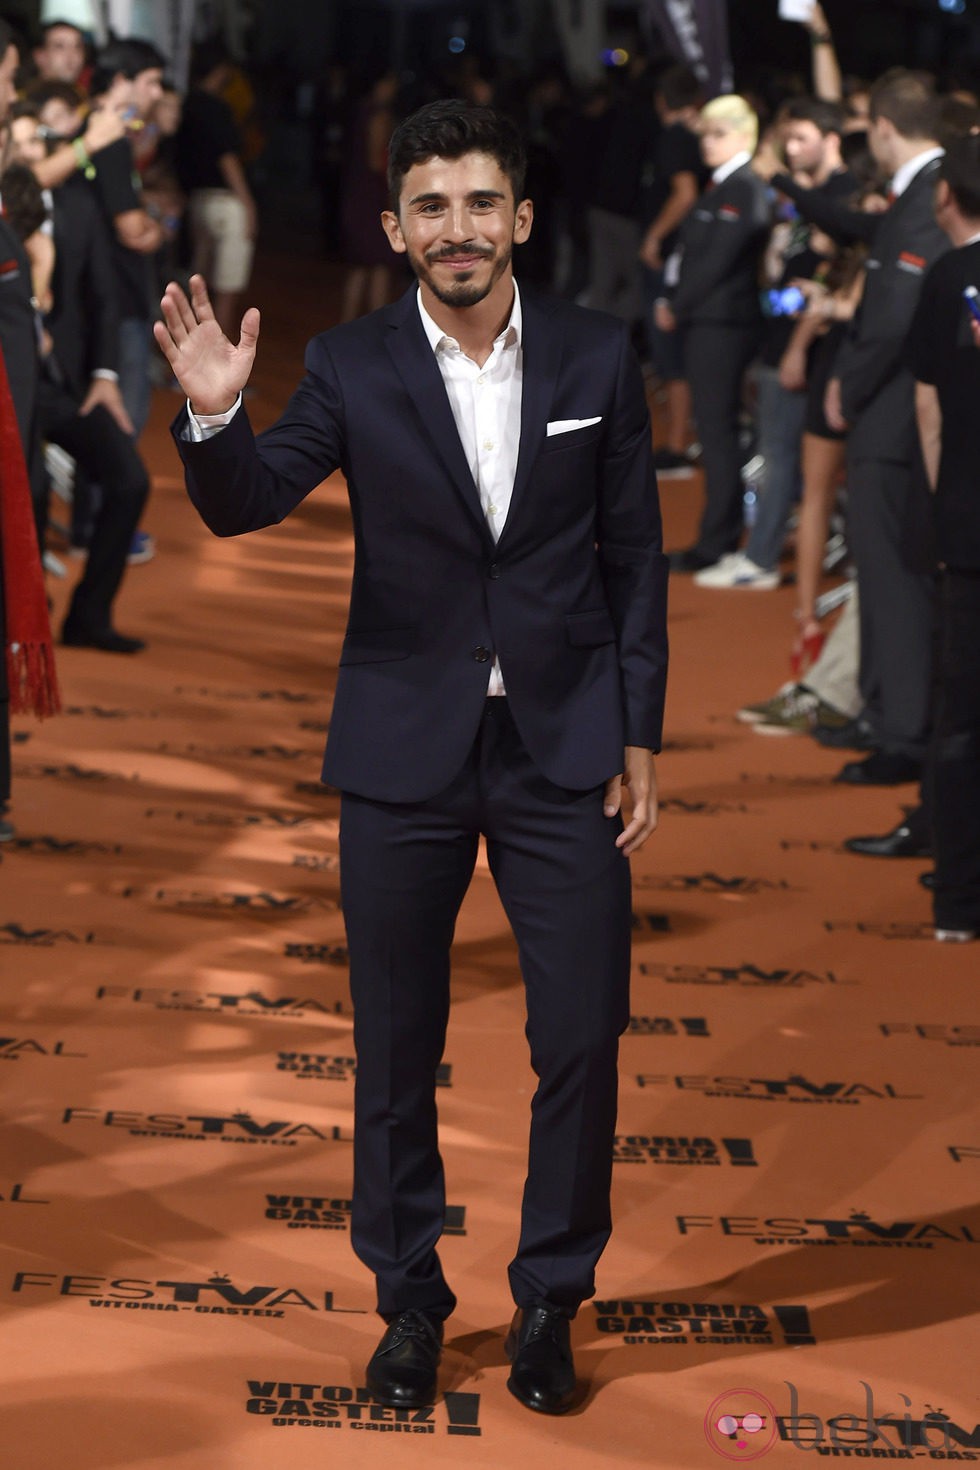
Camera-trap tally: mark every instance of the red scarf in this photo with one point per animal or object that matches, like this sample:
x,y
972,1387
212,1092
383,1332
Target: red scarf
x,y
29,651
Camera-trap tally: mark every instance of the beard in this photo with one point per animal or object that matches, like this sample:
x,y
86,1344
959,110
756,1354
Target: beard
x,y
464,290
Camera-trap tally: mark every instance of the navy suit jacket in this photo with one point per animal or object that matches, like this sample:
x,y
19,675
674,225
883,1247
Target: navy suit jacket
x,y
572,598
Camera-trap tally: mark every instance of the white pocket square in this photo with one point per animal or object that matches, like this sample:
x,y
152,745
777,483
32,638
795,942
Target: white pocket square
x,y
563,426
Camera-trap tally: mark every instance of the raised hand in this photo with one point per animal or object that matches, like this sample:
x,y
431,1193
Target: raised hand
x,y
211,370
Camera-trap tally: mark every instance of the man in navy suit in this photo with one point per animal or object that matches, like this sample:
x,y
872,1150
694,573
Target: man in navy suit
x,y
503,672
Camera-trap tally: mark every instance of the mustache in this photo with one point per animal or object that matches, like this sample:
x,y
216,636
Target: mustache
x,y
458,252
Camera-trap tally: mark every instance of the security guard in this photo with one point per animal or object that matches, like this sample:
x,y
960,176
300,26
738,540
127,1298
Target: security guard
x,y
872,395
713,298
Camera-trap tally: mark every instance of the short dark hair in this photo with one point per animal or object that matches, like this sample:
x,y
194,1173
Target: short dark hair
x,y
449,129
960,168
828,117
127,57
907,99
23,205
957,117
40,93
62,25
207,56
678,87
8,38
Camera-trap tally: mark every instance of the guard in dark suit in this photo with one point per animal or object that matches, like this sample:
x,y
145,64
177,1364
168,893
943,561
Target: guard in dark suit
x,y
504,663
887,497
946,362
713,299
79,405
84,328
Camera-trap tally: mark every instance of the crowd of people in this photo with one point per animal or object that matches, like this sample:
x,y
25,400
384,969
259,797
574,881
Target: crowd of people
x,y
105,169
792,264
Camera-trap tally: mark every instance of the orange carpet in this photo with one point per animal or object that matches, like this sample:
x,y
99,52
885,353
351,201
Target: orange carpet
x,y
798,1165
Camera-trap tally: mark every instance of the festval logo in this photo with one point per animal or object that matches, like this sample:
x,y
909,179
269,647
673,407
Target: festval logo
x,y
741,1425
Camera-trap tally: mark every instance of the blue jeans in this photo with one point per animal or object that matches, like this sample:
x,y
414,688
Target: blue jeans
x,y
135,337
781,416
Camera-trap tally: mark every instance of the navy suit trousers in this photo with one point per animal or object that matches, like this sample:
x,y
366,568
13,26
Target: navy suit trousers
x,y
565,888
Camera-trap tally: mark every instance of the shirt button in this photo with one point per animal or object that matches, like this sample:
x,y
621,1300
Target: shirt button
x,y
488,443
481,654
493,571
492,510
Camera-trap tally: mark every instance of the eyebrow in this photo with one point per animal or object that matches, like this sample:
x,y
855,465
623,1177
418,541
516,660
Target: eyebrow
x,y
436,198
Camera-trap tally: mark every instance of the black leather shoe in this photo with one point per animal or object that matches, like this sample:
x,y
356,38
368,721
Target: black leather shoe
x,y
690,560
901,841
881,768
105,639
928,879
402,1370
855,735
542,1373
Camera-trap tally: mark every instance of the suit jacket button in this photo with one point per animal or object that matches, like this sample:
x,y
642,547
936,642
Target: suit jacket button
x,y
481,654
493,571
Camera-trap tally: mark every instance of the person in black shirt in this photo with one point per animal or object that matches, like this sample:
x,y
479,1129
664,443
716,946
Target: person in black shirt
x,y
944,358
222,212
128,80
678,174
614,214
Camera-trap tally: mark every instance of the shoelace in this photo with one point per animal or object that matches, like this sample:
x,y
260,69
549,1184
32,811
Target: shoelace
x,y
544,1326
411,1324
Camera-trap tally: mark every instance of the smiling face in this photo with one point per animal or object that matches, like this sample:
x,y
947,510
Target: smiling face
x,y
457,222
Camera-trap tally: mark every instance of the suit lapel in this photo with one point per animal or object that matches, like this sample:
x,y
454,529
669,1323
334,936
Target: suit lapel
x,y
541,351
419,372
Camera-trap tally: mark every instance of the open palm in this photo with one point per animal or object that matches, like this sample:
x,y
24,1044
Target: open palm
x,y
211,370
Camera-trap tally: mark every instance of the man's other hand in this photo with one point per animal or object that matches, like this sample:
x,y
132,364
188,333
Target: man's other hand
x,y
640,778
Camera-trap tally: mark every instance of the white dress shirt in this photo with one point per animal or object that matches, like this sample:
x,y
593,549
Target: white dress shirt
x,y
725,170
486,405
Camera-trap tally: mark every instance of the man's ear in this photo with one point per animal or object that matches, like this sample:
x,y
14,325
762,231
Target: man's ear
x,y
393,229
523,219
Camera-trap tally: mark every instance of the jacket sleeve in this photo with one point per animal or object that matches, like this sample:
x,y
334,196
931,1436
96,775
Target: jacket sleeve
x,y
241,483
741,219
634,568
833,216
874,350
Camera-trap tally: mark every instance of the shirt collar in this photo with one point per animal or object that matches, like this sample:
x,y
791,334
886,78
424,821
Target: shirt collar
x,y
725,170
973,240
904,176
438,338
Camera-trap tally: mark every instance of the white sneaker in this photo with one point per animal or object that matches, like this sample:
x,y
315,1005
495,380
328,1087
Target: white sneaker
x,y
735,570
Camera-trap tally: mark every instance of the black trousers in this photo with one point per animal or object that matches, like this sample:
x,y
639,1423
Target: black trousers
x,y
897,606
106,454
956,754
566,890
715,359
